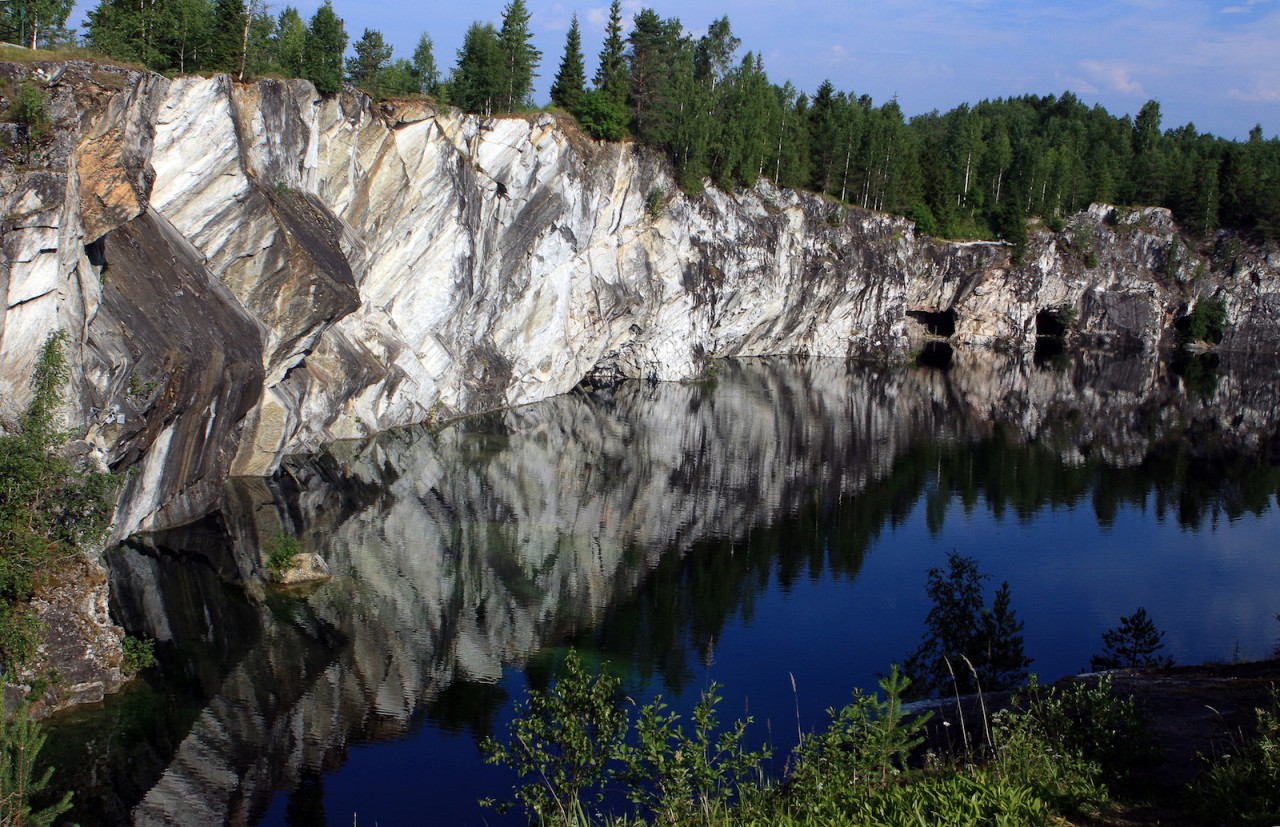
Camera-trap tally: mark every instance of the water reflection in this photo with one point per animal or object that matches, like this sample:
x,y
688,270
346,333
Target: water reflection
x,y
637,521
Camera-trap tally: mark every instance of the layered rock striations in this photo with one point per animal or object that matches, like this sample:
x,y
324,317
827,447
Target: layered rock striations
x,y
249,270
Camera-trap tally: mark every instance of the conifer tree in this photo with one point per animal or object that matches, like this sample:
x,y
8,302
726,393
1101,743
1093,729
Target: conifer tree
x,y
519,57
611,74
323,48
290,42
477,80
365,67
571,80
424,67
1132,645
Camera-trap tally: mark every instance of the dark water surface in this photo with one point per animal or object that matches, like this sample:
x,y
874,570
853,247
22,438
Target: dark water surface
x,y
776,523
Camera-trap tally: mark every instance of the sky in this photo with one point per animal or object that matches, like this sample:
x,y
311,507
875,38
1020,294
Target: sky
x,y
1214,64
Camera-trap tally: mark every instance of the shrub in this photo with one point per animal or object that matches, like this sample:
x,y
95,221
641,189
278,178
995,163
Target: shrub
x,y
281,552
866,745
50,506
1207,320
655,201
1243,786
30,109
564,743
139,654
601,117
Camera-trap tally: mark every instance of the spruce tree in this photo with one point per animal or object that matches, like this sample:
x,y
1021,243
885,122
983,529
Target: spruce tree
x,y
323,48
571,80
519,57
424,67
611,75
290,42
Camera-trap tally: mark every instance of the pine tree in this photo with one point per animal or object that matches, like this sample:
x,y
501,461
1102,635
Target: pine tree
x,y
1132,645
323,48
424,67
519,57
365,67
571,80
611,74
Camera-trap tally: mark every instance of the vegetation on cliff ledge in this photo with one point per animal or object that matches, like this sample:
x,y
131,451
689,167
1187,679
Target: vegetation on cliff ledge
x,y
51,507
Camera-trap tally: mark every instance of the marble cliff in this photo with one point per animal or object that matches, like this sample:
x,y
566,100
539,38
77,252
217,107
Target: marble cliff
x,y
249,270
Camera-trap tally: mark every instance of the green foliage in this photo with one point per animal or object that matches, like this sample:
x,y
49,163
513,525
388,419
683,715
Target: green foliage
x,y
1132,645
1207,320
923,218
1242,786
518,58
366,67
323,48
476,82
1088,722
29,109
611,74
34,23
601,117
684,778
571,80
139,654
864,748
424,66
655,202
967,646
564,743
50,506
20,743
281,551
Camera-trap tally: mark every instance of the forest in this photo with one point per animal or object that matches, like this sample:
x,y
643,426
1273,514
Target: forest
x,y
976,171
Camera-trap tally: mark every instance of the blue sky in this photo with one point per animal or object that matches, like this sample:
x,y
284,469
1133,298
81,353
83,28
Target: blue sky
x,y
1216,64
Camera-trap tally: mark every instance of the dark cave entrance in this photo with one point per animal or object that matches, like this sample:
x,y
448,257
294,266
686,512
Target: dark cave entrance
x,y
935,323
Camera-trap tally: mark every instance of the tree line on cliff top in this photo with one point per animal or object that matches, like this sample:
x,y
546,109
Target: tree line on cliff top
x,y
976,171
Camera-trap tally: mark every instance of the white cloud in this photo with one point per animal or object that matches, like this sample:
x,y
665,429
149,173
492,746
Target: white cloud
x,y
1112,75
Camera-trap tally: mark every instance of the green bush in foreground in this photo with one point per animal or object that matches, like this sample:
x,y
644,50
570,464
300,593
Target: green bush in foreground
x,y
1243,786
20,743
1043,758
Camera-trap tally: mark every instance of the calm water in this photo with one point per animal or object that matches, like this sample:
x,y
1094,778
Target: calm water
x,y
775,524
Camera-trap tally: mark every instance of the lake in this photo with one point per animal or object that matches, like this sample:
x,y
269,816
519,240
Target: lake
x,y
770,529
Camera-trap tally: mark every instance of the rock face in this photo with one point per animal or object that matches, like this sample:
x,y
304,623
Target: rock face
x,y
249,270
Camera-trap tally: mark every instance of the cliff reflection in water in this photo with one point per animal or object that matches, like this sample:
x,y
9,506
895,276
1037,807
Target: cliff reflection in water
x,y
637,519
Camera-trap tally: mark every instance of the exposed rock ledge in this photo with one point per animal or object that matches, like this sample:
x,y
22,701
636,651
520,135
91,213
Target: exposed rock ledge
x,y
248,270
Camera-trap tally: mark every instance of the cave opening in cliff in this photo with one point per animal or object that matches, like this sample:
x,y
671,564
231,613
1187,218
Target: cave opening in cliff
x,y
1049,322
96,252
936,323
1052,327
935,355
